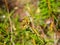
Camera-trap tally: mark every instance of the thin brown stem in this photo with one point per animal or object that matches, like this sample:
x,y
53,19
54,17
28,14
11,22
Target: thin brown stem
x,y
11,25
6,3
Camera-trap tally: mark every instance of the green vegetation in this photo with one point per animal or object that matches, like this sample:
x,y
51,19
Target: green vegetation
x,y
38,27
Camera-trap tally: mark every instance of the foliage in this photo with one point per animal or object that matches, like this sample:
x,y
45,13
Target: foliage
x,y
37,28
